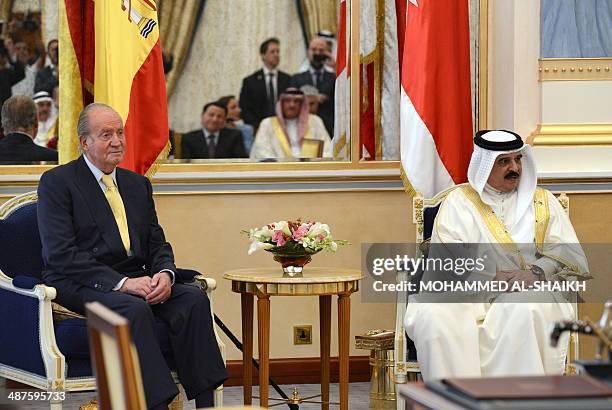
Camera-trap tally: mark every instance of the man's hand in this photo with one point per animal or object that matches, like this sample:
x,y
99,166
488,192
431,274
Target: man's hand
x,y
137,286
512,276
162,287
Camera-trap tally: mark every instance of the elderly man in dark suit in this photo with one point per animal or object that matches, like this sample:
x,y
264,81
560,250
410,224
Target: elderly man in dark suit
x,y
213,140
20,127
318,52
261,89
101,242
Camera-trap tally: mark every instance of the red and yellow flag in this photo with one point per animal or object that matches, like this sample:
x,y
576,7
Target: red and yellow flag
x,y
111,54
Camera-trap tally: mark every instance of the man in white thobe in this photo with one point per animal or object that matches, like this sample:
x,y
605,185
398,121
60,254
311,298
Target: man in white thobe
x,y
527,237
286,135
46,118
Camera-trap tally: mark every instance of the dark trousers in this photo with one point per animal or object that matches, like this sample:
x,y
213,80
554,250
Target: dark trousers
x,y
187,315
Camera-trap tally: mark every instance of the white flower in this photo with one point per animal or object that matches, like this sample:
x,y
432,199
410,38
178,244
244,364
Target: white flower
x,y
255,246
282,226
262,234
317,229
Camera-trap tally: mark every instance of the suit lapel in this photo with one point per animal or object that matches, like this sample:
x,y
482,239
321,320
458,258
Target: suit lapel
x,y
130,202
308,77
261,85
99,207
224,143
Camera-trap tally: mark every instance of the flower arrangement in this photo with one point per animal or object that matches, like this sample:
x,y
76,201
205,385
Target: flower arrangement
x,y
293,238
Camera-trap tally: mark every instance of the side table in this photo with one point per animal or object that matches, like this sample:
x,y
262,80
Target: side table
x,y
321,282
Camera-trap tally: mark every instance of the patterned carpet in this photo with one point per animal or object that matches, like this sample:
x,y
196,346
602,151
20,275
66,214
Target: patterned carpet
x,y
358,397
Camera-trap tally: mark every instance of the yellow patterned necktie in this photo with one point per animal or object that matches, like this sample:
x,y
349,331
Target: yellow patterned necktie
x,y
116,204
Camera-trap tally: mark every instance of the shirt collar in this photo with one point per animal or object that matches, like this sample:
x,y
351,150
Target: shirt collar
x,y
208,134
267,71
97,173
496,196
315,71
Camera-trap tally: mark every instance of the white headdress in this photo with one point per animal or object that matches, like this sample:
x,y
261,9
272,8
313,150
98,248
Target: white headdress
x,y
488,145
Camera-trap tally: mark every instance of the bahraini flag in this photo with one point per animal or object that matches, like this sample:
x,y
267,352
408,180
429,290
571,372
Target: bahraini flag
x,y
436,110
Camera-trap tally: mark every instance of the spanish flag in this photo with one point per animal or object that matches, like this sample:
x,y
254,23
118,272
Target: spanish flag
x,y
111,54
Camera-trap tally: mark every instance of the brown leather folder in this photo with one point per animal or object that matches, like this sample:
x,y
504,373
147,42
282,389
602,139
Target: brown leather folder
x,y
531,387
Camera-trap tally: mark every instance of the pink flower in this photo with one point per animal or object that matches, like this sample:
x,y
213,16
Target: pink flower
x,y
321,237
301,232
279,238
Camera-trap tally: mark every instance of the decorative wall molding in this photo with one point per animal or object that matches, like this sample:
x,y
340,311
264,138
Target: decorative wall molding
x,y
571,134
575,69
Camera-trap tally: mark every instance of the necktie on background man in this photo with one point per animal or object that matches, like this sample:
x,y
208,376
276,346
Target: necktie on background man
x,y
211,146
116,204
319,78
271,94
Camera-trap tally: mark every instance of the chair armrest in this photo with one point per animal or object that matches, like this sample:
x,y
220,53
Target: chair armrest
x,y
26,286
27,336
26,282
207,284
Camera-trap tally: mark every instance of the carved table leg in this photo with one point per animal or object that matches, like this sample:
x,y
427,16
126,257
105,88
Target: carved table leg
x,y
263,336
344,318
325,325
246,300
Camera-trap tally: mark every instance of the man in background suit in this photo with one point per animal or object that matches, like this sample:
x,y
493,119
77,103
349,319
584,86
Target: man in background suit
x,y
318,52
20,127
213,140
101,242
261,89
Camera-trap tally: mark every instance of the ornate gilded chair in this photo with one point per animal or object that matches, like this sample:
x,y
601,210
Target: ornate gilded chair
x,y
41,343
424,213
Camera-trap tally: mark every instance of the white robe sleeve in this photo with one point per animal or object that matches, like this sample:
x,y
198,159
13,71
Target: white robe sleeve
x,y
264,144
561,242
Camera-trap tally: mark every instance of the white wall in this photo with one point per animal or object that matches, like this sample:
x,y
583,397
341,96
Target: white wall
x,y
518,101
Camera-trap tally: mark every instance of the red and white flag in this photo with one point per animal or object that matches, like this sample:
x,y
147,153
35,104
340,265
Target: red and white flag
x,y
436,109
342,117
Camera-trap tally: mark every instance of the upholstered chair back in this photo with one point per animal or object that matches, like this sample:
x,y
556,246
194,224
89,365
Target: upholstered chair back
x,y
21,253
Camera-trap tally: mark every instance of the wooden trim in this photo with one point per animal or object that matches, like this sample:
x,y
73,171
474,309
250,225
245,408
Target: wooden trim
x,y
305,370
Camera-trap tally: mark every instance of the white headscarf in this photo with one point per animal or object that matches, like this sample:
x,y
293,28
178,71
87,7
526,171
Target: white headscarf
x,y
482,162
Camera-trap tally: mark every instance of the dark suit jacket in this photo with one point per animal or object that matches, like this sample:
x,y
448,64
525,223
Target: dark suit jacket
x,y
254,96
9,76
45,81
230,145
81,244
327,87
18,148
